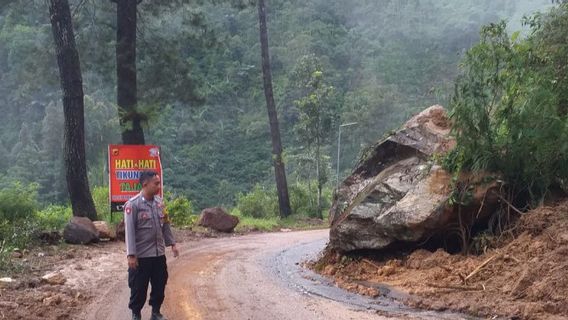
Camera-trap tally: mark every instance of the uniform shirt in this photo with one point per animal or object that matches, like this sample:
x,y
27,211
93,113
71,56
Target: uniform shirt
x,y
147,230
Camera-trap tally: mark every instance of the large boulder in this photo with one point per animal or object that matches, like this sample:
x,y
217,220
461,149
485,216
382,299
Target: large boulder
x,y
216,218
397,195
80,230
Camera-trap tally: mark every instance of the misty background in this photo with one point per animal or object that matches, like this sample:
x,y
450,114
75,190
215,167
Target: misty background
x,y
200,83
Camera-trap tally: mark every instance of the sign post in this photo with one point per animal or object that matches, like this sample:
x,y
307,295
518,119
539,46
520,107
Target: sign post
x,y
125,163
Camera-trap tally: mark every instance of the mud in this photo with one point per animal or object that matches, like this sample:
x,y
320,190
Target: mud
x,y
524,275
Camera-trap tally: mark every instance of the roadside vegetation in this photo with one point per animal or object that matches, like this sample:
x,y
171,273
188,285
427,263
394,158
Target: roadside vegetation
x,y
510,113
371,64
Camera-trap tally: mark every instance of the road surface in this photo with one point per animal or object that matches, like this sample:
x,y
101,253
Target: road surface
x,y
253,277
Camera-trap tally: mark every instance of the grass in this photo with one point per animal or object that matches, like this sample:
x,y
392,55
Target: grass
x,y
294,222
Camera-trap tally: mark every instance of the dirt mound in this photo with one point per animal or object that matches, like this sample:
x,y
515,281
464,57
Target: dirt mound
x,y
525,277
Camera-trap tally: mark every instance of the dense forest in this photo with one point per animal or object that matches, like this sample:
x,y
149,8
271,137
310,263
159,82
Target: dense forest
x,y
200,84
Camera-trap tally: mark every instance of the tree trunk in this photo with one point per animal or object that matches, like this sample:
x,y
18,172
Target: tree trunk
x,y
318,173
73,109
130,119
279,171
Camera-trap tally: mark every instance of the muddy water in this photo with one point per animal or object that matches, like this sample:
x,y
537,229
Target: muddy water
x,y
285,266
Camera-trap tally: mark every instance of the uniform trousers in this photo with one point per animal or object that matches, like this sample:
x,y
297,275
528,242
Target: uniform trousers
x,y
151,270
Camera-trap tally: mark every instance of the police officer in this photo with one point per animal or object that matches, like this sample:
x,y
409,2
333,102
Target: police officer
x,y
147,233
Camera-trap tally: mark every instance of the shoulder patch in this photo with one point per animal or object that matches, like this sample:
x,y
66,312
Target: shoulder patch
x,y
128,208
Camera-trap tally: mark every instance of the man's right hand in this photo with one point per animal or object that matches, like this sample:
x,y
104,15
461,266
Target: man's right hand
x,y
132,262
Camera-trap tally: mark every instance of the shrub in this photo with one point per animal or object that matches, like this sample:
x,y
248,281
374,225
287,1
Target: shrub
x,y
180,211
100,197
18,206
259,203
18,201
54,217
303,199
509,109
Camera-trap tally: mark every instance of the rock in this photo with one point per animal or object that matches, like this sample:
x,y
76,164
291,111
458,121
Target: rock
x,y
120,230
216,218
54,278
386,271
17,254
80,230
395,195
105,232
50,237
6,282
53,300
329,270
8,305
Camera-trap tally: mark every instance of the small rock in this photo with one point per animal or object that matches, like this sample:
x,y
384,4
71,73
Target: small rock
x,y
32,283
17,255
41,254
53,300
387,271
6,282
285,230
54,278
105,232
329,270
8,304
79,267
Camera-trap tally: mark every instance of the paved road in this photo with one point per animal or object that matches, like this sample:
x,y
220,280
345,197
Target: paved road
x,y
254,277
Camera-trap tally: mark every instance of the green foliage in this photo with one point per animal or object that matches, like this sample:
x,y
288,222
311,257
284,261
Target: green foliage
x,y
18,202
18,206
199,74
180,211
247,223
263,203
508,107
100,198
303,199
259,203
54,217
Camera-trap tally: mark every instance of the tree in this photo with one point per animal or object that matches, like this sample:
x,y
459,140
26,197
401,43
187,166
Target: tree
x,y
73,109
318,113
279,170
126,89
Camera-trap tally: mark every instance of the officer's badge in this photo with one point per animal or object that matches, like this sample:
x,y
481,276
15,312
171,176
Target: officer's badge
x,y
128,209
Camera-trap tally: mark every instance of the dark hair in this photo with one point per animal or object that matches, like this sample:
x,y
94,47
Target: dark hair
x,y
147,175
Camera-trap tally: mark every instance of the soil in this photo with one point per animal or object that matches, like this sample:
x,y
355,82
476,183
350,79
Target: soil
x,y
523,276
86,272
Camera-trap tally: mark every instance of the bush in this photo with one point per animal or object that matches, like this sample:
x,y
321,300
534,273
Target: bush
x,y
18,201
259,203
509,108
18,223
100,197
304,202
54,217
180,211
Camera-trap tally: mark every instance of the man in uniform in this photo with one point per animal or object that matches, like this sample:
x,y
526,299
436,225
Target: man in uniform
x,y
147,234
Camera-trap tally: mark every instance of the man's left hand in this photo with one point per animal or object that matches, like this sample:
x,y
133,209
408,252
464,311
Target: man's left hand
x,y
175,251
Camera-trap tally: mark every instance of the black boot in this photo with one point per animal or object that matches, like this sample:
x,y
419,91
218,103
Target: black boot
x,y
157,316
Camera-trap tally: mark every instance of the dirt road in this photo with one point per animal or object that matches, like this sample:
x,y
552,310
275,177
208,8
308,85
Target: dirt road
x,y
253,277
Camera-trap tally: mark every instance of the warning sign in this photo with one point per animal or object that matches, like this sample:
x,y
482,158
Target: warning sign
x,y
126,162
